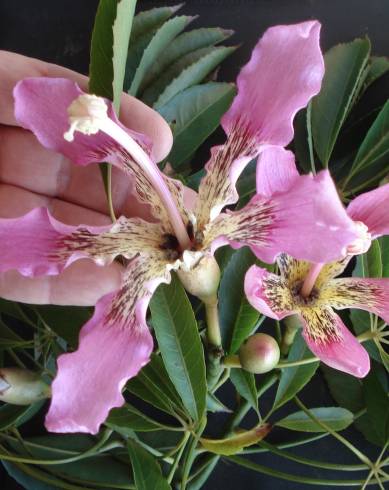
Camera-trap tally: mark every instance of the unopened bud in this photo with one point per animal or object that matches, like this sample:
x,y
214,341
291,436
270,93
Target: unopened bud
x,y
200,278
21,387
259,354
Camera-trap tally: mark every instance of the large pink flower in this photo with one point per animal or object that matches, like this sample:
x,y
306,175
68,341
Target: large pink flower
x,y
280,296
284,72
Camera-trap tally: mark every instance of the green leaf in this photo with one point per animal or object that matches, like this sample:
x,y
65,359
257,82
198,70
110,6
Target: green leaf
x,y
238,319
377,404
369,264
110,38
101,469
195,114
293,379
161,39
153,385
147,473
244,383
16,415
345,389
194,73
214,405
149,20
127,419
185,43
335,417
384,245
233,444
344,68
374,150
179,342
65,321
379,65
17,472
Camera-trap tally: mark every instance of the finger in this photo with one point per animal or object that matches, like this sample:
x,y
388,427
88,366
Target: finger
x,y
15,202
134,114
81,284
25,163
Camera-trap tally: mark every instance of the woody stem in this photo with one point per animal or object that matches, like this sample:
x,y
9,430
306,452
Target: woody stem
x,y
310,279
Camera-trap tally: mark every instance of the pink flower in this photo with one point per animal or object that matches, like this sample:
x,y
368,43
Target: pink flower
x,y
285,71
281,296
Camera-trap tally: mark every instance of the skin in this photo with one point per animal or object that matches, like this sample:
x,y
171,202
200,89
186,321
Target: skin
x,y
31,176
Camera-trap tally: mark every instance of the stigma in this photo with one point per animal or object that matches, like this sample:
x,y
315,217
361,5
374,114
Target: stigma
x,y
361,244
86,114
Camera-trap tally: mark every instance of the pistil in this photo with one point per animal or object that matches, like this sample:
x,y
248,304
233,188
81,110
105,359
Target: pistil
x,y
310,279
88,114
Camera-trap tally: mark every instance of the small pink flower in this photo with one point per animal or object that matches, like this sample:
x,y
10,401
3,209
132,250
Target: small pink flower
x,y
285,71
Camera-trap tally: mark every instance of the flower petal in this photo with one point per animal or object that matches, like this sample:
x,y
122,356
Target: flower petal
x,y
307,222
113,347
30,244
285,71
276,171
268,293
217,189
372,209
41,105
331,341
353,292
37,244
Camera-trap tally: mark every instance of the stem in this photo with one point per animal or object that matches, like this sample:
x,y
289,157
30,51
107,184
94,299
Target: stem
x,y
153,174
310,280
178,457
215,350
340,438
231,361
191,454
299,479
213,326
292,324
109,193
309,133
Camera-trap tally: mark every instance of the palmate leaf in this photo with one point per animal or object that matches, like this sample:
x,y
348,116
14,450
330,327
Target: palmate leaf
x,y
152,384
184,43
180,345
345,70
210,58
159,42
194,114
336,418
147,473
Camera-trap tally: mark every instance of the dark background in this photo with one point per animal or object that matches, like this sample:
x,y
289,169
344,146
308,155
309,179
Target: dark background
x,y
59,31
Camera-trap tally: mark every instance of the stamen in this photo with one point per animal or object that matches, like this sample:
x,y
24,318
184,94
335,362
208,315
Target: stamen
x,y
363,242
310,280
88,115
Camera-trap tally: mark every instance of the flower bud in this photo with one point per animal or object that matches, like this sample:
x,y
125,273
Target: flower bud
x,y
200,278
21,387
259,354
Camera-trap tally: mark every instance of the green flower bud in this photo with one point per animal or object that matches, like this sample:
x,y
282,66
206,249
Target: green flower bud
x,y
21,387
259,354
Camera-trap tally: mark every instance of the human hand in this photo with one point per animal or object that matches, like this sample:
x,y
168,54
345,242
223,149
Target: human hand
x,y
31,176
